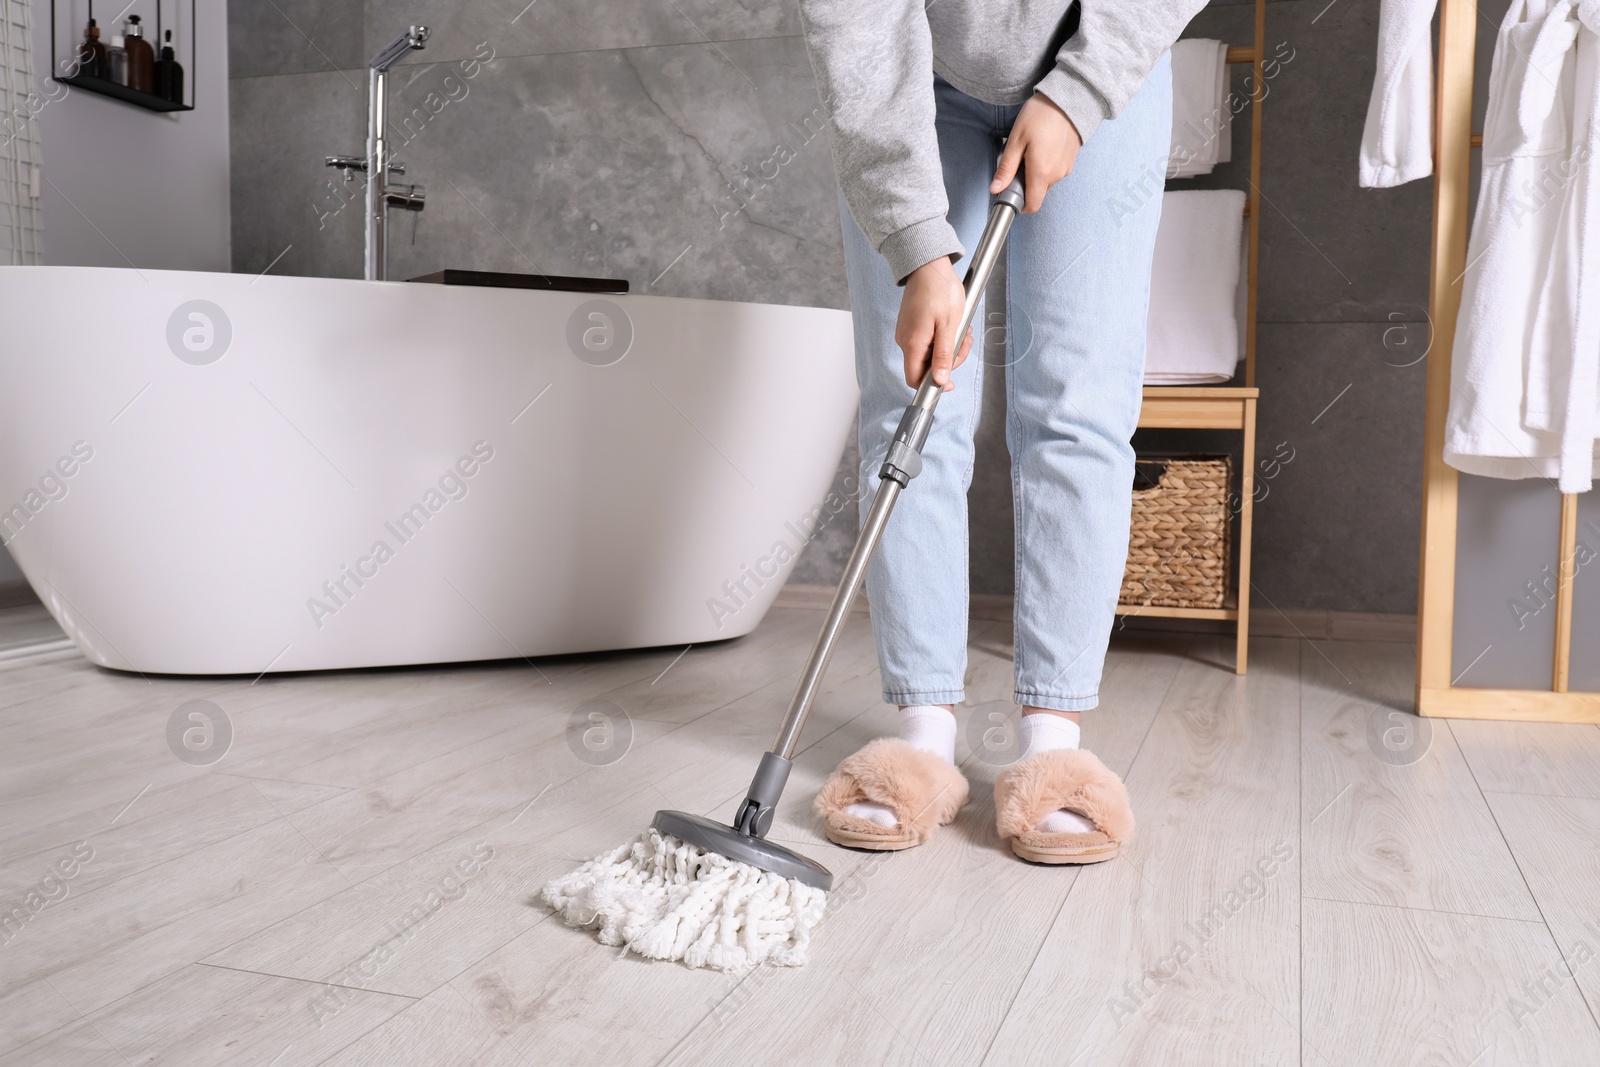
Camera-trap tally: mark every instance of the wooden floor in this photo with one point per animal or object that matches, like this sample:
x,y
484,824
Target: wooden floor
x,y
351,882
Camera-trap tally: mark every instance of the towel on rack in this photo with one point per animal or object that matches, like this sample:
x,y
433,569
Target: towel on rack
x,y
1202,122
1526,355
1397,142
1193,330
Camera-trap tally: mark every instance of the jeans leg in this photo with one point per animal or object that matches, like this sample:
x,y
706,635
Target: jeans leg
x,y
1078,287
917,584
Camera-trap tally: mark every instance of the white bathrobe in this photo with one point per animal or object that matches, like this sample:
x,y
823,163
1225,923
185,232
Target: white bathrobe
x,y
1527,344
1397,141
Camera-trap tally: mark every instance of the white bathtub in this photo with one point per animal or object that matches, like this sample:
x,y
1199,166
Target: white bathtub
x,y
318,473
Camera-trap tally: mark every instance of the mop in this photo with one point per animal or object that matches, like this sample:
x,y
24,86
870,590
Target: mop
x,y
712,895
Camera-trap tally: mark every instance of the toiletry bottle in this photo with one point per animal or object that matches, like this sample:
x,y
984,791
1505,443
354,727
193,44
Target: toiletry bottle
x,y
91,53
117,60
141,57
169,74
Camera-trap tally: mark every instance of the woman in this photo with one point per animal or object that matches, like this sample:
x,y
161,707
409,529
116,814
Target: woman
x,y
922,98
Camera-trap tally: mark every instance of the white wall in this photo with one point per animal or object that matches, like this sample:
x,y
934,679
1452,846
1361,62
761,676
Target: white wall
x,y
125,186
130,185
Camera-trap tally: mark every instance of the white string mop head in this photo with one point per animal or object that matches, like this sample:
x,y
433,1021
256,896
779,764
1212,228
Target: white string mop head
x,y
669,900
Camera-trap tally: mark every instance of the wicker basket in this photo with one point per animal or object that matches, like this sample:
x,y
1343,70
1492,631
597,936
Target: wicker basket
x,y
1178,545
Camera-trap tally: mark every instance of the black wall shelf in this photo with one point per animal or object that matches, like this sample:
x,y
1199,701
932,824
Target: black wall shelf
x,y
106,87
66,69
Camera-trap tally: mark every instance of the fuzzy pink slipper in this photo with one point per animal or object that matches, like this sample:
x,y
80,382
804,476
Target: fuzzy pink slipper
x,y
1071,778
922,790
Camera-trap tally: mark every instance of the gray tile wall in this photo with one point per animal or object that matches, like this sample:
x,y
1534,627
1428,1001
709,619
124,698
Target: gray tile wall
x,y
602,138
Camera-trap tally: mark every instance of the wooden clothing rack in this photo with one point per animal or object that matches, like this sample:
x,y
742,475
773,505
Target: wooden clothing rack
x,y
1199,407
1437,693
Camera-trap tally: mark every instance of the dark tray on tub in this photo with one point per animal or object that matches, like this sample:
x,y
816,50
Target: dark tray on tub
x,y
504,280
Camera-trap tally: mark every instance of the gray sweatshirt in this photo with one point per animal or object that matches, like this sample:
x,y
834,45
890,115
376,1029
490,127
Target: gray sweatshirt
x,y
875,60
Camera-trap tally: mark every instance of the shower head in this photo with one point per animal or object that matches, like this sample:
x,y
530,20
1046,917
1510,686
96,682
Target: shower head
x,y
391,53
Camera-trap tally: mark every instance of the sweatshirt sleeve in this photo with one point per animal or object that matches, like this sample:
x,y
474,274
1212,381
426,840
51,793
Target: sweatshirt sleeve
x,y
1101,66
874,69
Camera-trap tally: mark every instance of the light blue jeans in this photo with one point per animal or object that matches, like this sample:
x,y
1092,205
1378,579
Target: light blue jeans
x,y
1077,292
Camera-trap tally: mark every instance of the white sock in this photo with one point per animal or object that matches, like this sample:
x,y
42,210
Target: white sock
x,y
1043,732
925,726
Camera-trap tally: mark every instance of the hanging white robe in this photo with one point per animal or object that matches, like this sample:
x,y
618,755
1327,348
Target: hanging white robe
x,y
1397,141
1527,344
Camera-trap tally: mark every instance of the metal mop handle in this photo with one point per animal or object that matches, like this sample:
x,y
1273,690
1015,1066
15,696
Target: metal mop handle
x,y
902,463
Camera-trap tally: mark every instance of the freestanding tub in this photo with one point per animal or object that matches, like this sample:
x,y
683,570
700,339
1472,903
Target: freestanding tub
x,y
218,473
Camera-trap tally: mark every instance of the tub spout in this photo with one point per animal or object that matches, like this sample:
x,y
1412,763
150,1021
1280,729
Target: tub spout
x,y
391,53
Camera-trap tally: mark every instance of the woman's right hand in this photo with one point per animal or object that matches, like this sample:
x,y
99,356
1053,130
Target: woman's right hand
x,y
930,312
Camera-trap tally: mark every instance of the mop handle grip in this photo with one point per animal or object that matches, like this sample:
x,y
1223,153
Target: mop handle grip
x,y
1003,210
904,458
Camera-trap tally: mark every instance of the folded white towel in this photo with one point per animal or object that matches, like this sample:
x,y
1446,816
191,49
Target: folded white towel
x,y
1194,329
1202,121
1397,142
1225,101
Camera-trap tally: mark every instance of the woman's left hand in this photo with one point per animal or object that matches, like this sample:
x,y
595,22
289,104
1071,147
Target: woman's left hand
x,y
1045,142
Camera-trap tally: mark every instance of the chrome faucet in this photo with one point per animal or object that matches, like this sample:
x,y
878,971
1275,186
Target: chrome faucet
x,y
376,164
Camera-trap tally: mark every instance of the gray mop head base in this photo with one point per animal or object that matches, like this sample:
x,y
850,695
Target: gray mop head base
x,y
724,840
666,899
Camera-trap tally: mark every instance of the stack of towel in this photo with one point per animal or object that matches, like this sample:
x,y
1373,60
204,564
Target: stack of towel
x,y
1195,329
1196,326
1202,121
